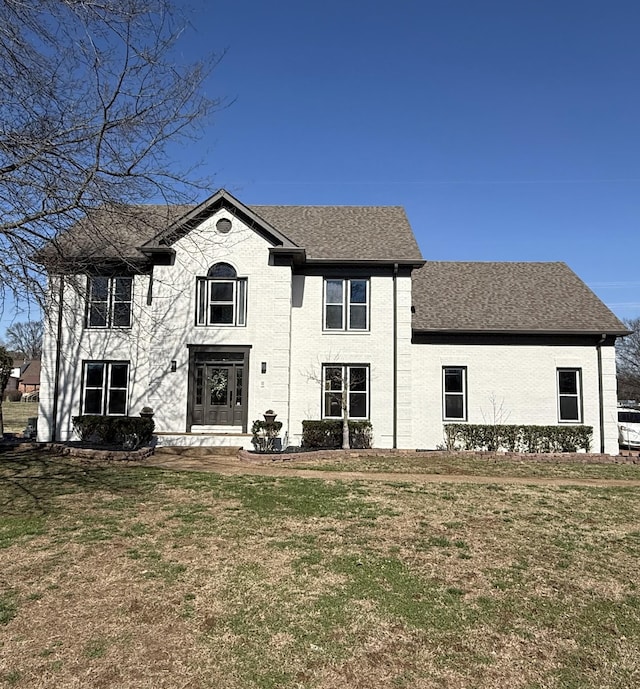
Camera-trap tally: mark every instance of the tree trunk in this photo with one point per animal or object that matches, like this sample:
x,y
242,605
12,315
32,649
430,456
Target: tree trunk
x,y
345,430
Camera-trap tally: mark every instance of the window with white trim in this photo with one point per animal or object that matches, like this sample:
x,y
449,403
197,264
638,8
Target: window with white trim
x,y
454,393
569,395
221,297
105,387
346,304
109,301
345,384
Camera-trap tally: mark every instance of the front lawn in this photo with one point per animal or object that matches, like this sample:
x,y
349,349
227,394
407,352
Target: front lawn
x,y
467,465
117,576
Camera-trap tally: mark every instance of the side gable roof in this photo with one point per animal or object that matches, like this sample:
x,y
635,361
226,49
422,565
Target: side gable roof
x,y
492,297
368,233
111,233
31,375
375,233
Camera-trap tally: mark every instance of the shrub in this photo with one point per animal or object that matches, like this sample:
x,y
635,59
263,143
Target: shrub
x,y
491,437
12,395
327,434
131,432
264,433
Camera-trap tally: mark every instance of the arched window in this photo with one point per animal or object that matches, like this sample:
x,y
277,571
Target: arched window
x,y
221,297
222,270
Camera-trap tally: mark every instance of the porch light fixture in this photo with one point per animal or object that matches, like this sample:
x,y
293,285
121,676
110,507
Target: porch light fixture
x,y
174,366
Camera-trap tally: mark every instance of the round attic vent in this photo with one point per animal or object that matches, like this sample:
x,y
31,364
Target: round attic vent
x,y
223,225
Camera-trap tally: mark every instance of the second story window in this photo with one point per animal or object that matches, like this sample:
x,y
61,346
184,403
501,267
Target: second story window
x,y
221,297
346,304
109,302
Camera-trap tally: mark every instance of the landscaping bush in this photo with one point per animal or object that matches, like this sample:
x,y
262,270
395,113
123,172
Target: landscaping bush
x,y
130,432
487,437
327,434
264,434
12,395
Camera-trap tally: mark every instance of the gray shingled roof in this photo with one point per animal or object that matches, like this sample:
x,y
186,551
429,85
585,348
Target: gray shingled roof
x,y
113,232
346,232
325,232
507,297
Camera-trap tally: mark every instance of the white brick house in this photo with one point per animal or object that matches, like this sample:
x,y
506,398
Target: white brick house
x,y
212,315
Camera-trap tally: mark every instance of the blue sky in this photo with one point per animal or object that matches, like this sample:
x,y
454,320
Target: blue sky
x,y
508,129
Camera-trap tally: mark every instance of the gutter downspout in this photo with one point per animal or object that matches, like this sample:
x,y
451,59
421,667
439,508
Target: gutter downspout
x,y
287,437
395,356
602,339
56,375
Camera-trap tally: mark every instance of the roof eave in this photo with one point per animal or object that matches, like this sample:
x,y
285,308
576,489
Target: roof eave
x,y
469,331
415,263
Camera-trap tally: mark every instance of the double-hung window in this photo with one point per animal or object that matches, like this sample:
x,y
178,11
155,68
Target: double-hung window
x,y
345,385
105,386
454,393
569,395
109,301
221,297
346,304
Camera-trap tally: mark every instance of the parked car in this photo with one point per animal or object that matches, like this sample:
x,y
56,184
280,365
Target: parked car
x,y
629,427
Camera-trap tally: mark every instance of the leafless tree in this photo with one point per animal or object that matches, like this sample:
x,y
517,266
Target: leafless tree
x,y
628,359
25,338
6,365
339,383
91,95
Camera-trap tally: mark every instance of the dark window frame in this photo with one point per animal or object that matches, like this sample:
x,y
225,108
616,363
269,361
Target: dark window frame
x,y
105,387
346,305
463,393
110,303
577,395
221,274
345,372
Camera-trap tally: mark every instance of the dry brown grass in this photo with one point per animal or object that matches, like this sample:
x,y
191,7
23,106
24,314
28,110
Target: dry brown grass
x,y
140,579
16,414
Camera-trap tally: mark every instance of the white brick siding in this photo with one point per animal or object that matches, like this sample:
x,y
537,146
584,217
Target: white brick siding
x,y
513,384
284,329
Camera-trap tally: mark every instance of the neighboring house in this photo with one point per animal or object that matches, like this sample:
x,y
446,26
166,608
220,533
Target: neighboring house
x,y
25,375
212,315
29,380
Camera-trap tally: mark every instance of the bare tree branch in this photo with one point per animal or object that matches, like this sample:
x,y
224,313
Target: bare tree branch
x,y
25,338
628,360
91,94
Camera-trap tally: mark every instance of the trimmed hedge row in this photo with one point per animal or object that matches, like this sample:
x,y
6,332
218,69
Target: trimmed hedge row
x,y
462,436
130,432
327,434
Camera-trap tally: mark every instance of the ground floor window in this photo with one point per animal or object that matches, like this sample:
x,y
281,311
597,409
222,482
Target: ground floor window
x,y
345,386
105,386
454,397
569,395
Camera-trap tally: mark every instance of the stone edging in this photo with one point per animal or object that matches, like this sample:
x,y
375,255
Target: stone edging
x,y
105,455
564,457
